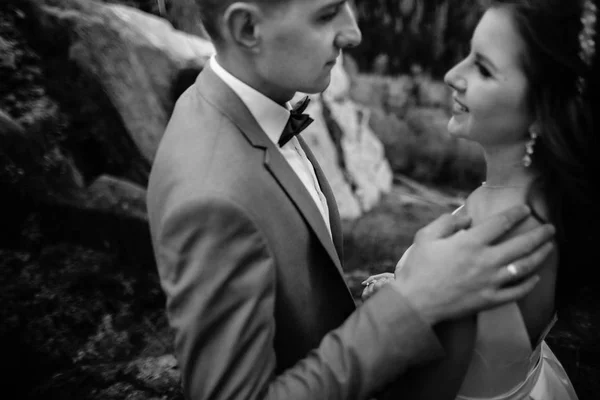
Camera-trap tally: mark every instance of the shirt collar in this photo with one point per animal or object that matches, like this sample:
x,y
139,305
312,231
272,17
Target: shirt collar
x,y
271,117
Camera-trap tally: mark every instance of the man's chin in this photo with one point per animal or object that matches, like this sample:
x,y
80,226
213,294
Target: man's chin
x,y
317,87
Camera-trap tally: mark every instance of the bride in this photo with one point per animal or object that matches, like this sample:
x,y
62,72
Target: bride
x,y
524,93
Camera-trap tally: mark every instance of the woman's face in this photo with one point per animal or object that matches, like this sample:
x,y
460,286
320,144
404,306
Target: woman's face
x,y
489,86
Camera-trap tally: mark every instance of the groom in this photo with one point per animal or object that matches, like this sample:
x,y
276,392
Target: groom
x,y
247,235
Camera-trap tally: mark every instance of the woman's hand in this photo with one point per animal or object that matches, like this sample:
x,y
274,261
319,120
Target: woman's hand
x,y
374,283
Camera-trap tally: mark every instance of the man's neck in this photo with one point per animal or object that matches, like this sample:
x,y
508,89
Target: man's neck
x,y
245,70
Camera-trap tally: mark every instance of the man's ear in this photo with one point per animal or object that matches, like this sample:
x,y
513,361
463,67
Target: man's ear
x,y
241,22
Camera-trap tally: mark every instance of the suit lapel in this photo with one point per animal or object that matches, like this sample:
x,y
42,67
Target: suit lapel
x,y
334,215
220,95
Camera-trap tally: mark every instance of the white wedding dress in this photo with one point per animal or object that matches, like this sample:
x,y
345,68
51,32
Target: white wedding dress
x,y
505,367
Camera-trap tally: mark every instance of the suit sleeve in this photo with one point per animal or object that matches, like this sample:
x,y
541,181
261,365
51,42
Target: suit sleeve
x,y
219,279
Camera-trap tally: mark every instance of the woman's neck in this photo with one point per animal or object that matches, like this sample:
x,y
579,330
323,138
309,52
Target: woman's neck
x,y
505,168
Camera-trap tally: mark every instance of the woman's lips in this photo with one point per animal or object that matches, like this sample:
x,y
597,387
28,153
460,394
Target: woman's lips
x,y
458,107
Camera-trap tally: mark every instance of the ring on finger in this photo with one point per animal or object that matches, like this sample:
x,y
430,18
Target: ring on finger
x,y
512,270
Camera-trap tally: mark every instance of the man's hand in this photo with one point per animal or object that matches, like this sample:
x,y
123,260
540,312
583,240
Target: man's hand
x,y
452,270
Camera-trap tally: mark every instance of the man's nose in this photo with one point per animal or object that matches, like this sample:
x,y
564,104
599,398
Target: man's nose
x,y
349,35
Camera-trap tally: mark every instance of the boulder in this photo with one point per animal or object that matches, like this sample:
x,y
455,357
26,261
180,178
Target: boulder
x,y
365,161
351,156
361,151
134,57
109,213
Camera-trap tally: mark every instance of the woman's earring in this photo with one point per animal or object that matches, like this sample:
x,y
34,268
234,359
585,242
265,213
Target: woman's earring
x,y
533,135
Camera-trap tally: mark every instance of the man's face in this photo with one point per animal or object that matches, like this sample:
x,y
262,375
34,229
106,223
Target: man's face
x,y
300,43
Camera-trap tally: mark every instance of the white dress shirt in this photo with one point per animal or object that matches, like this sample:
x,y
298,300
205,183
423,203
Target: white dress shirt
x,y
272,118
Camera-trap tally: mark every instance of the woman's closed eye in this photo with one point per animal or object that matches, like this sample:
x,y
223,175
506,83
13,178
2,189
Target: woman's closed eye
x,y
328,17
483,70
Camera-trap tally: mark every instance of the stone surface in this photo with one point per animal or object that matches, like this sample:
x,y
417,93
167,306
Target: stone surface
x,y
117,196
351,156
133,55
364,155
364,161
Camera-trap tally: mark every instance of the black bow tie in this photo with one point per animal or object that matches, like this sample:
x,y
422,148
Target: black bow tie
x,y
296,123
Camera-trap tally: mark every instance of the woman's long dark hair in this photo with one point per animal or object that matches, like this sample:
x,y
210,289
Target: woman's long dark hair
x,y
564,151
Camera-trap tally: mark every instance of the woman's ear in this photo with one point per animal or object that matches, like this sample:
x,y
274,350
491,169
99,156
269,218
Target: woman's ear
x,y
240,21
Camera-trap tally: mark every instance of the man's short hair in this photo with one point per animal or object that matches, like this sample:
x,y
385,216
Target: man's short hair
x,y
211,12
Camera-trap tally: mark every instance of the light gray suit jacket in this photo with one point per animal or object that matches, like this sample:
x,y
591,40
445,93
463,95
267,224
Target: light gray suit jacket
x,y
254,284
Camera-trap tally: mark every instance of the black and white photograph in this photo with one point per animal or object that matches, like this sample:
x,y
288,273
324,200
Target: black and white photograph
x,y
299,200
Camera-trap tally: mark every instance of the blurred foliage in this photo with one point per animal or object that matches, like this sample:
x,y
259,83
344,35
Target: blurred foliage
x,y
413,129
66,305
398,34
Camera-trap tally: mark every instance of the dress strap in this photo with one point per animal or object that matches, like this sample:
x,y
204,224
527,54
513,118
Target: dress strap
x,y
547,330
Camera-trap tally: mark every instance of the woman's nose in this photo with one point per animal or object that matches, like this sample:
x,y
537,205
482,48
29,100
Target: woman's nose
x,y
454,79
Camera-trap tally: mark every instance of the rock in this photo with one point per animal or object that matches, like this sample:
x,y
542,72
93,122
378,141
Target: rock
x,y
360,153
135,58
117,196
58,105
364,155
350,154
185,17
110,213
